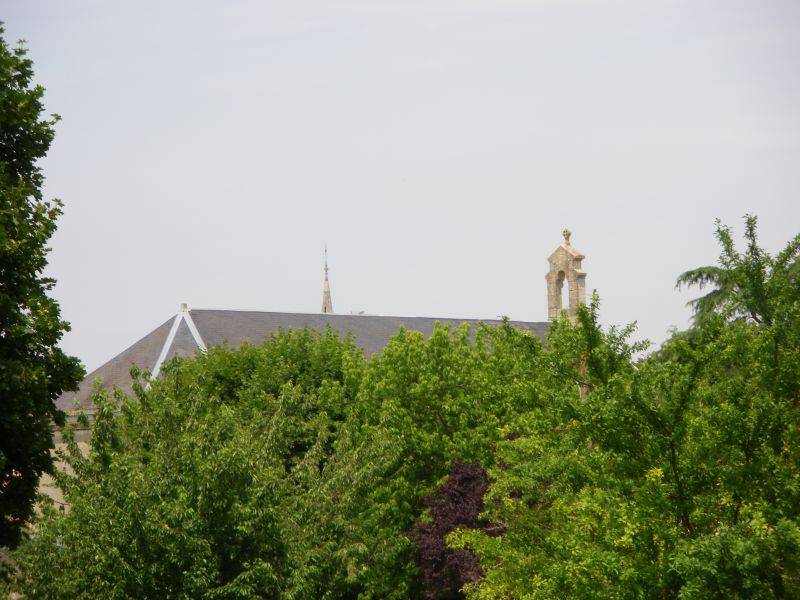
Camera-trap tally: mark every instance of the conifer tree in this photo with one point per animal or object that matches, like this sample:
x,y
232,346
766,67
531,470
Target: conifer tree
x,y
743,284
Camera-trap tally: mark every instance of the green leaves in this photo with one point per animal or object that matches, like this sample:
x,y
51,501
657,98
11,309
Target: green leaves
x,y
293,469
748,285
297,469
674,477
33,371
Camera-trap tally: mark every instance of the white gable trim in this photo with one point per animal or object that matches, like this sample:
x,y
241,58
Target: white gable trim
x,y
187,316
165,348
183,315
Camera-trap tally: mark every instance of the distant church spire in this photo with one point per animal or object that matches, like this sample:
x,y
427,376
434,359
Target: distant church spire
x,y
327,304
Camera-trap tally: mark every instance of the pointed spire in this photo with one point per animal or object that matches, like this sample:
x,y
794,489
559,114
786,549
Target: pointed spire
x,y
327,304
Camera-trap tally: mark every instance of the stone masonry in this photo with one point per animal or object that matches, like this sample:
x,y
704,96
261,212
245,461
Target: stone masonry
x,y
565,265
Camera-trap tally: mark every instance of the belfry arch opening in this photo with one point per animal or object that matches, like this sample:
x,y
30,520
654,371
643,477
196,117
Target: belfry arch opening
x,y
562,290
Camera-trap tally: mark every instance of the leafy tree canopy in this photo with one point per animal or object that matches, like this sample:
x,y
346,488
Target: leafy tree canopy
x,y
298,469
293,469
33,370
677,476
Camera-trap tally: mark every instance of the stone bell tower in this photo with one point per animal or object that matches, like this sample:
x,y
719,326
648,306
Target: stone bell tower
x,y
565,266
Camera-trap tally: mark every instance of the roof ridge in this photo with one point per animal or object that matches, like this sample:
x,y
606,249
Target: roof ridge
x,y
347,315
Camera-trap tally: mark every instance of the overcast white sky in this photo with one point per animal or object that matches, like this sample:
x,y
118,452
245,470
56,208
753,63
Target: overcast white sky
x,y
209,149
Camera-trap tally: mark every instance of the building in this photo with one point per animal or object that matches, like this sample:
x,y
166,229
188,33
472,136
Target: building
x,y
194,330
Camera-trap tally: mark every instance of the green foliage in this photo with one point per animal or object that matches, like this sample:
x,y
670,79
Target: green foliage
x,y
33,371
293,469
676,476
750,285
297,469
424,404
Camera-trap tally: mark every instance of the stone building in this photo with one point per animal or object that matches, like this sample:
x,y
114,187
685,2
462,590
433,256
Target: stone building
x,y
194,330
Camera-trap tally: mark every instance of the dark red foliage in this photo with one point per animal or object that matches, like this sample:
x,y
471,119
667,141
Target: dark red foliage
x,y
455,504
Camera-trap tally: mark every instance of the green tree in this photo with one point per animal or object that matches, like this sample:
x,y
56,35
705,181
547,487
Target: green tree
x,y
187,489
745,285
33,370
675,476
293,469
422,404
298,469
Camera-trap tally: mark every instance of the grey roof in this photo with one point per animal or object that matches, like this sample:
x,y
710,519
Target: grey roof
x,y
233,327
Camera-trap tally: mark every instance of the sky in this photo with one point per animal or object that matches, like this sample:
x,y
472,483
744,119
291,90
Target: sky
x,y
208,150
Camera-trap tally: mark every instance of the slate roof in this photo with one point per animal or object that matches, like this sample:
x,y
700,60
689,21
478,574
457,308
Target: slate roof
x,y
217,327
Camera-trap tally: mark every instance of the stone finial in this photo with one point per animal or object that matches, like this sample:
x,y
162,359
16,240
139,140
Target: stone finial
x,y
566,233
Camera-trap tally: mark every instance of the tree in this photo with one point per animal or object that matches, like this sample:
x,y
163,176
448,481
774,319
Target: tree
x,y
33,370
298,469
456,503
424,404
674,476
744,284
189,485
293,469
